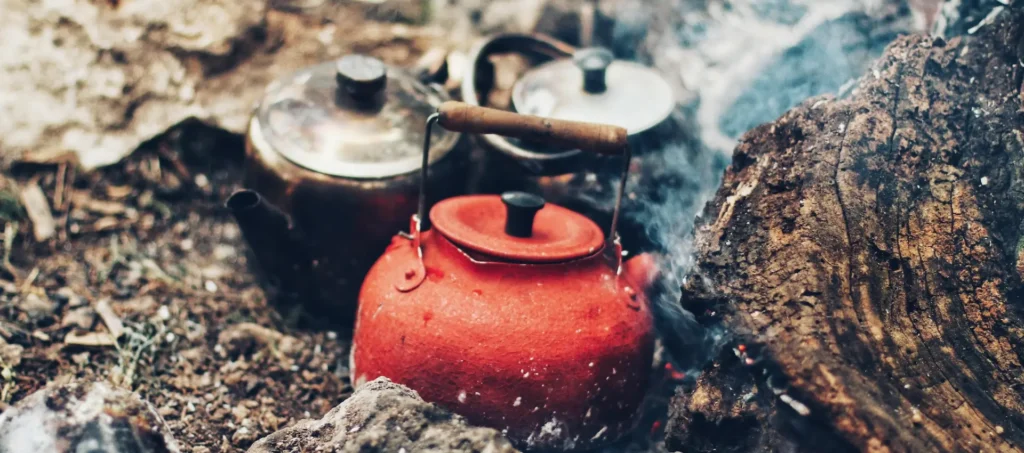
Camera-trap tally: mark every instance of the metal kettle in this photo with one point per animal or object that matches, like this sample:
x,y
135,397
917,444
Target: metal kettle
x,y
333,150
518,314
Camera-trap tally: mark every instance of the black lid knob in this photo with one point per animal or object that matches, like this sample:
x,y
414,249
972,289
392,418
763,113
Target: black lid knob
x,y
520,209
594,62
360,76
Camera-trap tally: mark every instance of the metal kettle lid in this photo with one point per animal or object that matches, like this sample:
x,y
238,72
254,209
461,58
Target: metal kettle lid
x,y
517,226
594,87
354,117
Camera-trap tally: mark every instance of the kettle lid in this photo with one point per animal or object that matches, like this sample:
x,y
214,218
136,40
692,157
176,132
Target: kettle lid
x,y
517,226
595,87
354,117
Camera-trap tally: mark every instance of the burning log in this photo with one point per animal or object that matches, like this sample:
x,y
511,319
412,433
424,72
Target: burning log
x,y
867,254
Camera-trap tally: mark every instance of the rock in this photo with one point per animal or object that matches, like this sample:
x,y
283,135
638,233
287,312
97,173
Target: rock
x,y
81,318
243,436
84,417
67,296
106,76
10,354
241,338
384,416
499,16
36,306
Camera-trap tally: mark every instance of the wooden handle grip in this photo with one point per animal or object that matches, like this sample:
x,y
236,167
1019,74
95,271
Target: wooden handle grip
x,y
599,138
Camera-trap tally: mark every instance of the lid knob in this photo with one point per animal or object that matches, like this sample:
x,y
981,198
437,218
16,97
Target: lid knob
x,y
594,62
520,209
361,76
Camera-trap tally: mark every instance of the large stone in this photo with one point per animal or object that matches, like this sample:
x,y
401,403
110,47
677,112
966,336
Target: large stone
x,y
84,417
384,416
100,78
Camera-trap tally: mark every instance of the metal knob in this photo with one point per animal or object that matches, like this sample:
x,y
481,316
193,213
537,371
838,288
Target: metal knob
x,y
594,63
520,208
361,77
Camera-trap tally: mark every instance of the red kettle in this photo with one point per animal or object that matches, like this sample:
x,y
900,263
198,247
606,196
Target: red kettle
x,y
517,314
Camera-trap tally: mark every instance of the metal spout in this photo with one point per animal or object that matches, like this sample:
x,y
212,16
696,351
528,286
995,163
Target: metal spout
x,y
278,247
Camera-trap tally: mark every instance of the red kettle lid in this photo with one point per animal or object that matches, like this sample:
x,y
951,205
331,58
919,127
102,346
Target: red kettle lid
x,y
516,226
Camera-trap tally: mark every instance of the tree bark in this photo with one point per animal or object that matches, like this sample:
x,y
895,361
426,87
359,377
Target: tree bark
x,y
867,256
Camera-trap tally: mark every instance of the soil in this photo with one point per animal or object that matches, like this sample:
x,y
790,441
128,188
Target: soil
x,y
150,236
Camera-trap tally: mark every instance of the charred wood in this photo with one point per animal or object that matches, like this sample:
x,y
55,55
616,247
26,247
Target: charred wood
x,y
867,255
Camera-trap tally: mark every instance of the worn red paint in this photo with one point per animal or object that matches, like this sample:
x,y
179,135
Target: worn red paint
x,y
556,354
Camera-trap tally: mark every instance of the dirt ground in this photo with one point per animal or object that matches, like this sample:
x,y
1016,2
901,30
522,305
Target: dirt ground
x,y
150,238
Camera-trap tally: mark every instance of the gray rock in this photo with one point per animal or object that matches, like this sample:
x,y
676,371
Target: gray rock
x,y
10,354
84,417
101,79
384,416
36,307
82,318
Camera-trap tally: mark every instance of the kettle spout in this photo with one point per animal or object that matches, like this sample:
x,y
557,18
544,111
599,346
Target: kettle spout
x,y
277,246
641,270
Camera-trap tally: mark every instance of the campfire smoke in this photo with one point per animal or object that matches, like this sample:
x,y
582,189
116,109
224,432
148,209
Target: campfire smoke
x,y
733,69
734,65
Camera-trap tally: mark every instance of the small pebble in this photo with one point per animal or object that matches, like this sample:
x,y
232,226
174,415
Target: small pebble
x,y
66,296
210,286
81,358
224,251
36,307
984,180
164,313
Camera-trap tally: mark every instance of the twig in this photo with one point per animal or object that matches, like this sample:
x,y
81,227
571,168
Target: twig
x,y
65,207
69,182
58,193
112,321
90,339
10,232
179,167
30,279
115,259
38,209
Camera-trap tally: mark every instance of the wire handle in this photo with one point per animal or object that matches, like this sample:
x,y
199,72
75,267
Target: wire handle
x,y
466,118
